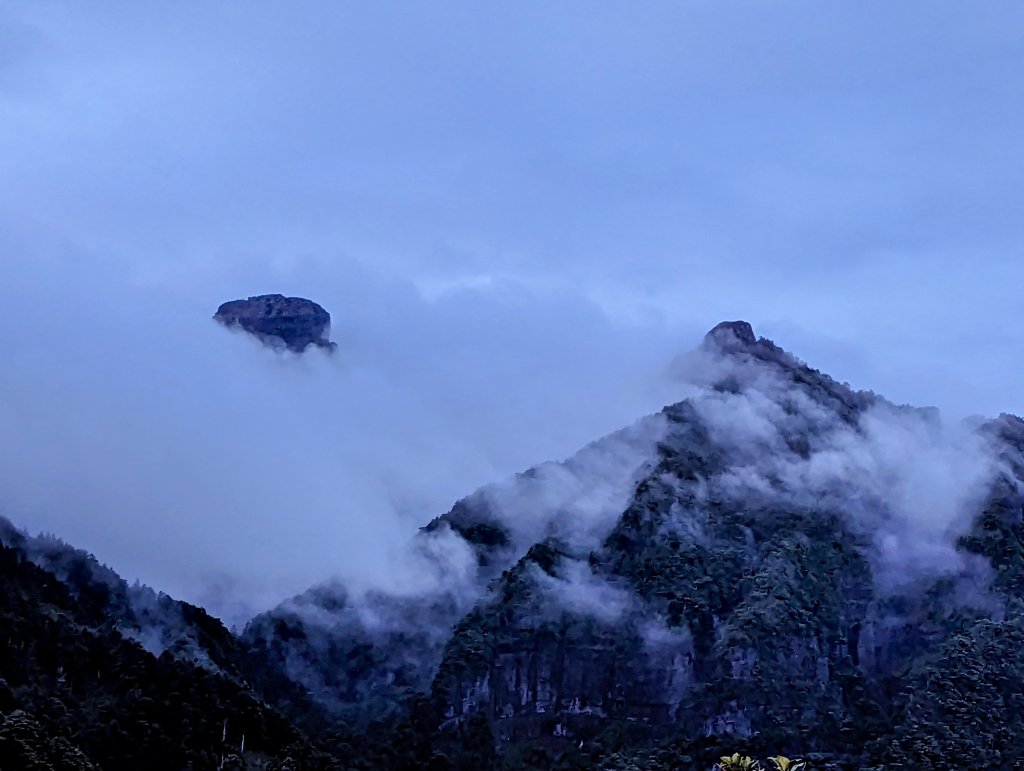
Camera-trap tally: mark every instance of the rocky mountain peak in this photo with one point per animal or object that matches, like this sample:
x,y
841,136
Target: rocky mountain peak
x,y
732,333
294,322
738,338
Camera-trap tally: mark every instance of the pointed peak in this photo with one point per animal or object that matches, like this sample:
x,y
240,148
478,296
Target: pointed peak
x,y
730,335
737,337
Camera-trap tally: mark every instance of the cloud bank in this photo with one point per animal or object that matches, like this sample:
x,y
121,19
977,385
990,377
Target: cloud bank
x,y
225,473
516,216
905,479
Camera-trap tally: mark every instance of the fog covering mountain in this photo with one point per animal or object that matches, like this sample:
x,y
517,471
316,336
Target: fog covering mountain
x,y
774,563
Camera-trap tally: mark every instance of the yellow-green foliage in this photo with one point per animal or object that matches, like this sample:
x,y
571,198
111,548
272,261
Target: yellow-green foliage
x,y
737,762
783,763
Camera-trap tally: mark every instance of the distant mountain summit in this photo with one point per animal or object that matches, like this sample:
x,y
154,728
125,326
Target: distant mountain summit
x,y
732,333
292,322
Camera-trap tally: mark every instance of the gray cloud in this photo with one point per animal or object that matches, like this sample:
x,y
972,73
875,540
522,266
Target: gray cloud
x,y
216,469
849,172
905,479
516,214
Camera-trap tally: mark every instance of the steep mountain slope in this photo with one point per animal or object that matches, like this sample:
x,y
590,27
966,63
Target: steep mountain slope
x,y
79,691
780,567
775,563
361,654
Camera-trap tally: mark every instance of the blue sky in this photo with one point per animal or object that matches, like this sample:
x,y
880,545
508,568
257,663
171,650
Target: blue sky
x,y
518,212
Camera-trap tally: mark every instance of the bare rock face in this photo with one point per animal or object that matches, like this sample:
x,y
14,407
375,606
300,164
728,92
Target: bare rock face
x,y
292,322
730,335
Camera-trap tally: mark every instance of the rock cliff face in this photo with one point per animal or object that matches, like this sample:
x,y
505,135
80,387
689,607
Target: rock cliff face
x,y
773,563
292,322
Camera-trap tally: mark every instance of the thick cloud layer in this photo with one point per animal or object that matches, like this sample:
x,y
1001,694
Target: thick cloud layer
x,y
219,470
517,214
847,177
905,479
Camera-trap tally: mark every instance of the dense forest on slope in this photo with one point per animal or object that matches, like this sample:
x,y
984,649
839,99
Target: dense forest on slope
x,y
75,692
775,564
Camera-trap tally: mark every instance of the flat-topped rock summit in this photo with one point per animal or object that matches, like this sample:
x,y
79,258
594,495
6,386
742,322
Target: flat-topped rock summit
x,y
292,322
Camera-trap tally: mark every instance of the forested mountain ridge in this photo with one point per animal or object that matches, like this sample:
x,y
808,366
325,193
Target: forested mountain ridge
x,y
776,563
788,560
78,690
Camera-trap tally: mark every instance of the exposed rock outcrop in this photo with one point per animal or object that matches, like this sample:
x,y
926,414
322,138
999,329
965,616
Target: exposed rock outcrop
x,y
731,334
291,322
